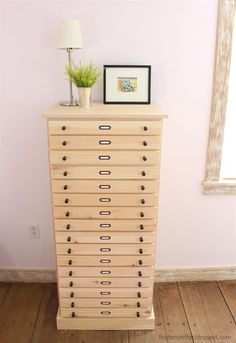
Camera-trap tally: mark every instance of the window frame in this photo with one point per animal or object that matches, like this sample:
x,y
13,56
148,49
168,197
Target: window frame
x,y
212,183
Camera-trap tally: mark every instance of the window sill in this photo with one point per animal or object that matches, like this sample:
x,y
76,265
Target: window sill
x,y
219,187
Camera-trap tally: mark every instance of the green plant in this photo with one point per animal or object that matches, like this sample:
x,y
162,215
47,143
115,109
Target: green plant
x,y
83,75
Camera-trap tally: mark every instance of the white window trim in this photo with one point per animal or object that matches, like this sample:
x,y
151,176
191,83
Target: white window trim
x,y
212,183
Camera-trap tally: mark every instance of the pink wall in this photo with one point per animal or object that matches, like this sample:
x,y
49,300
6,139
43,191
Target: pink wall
x,y
177,38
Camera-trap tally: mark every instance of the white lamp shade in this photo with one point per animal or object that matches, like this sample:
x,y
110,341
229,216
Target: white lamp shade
x,y
69,35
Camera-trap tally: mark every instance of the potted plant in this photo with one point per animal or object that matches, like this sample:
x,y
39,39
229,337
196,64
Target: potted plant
x,y
84,76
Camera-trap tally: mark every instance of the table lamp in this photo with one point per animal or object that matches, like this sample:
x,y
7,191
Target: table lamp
x,y
69,39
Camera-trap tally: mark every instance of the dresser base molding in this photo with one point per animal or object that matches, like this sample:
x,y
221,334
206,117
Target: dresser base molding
x,y
105,323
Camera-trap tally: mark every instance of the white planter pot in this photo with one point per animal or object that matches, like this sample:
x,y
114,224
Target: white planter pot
x,y
84,96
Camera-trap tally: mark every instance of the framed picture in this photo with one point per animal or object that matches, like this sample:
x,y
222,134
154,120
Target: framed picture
x,y
127,84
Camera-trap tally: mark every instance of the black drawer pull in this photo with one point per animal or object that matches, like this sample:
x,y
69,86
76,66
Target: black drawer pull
x,y
145,128
104,142
105,249
140,262
138,314
105,199
140,273
105,261
105,313
105,238
104,172
68,227
104,157
65,187
63,128
104,127
105,272
72,294
68,239
143,173
141,239
142,188
138,304
72,304
65,173
139,284
64,143
104,186
141,251
69,251
105,225
64,158
139,295
141,214
105,283
144,143
73,314
105,303
105,293
142,201
71,284
141,227
70,262
66,201
105,213
67,214
70,273
144,158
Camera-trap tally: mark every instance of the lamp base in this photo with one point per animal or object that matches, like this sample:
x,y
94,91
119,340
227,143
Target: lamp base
x,y
69,103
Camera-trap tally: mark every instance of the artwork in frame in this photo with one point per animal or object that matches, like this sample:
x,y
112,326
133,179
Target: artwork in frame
x,y
127,84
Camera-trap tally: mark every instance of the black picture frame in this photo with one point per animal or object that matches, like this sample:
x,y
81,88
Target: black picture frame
x,y
115,102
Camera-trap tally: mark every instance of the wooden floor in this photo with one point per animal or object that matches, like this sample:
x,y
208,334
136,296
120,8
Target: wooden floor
x,y
185,312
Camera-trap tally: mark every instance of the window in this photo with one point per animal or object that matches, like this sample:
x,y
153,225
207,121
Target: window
x,y
220,175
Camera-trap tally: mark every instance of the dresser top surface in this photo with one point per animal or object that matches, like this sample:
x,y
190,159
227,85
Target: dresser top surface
x,y
109,112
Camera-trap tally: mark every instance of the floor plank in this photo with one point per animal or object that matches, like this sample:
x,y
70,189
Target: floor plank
x,y
4,287
175,320
195,310
219,316
18,313
228,289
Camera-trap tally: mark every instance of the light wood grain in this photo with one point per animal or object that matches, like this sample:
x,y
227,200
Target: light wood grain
x,y
104,128
94,261
70,142
110,112
105,313
105,238
104,187
220,89
106,293
228,290
106,282
105,173
106,303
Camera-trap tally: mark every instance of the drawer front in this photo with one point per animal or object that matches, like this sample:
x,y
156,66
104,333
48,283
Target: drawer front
x,y
104,173
106,302
94,261
106,293
105,282
105,200
105,238
104,128
68,225
105,271
105,158
103,142
105,212
104,313
103,249
98,186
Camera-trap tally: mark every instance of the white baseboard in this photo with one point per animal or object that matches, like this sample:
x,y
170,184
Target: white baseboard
x,y
195,274
160,275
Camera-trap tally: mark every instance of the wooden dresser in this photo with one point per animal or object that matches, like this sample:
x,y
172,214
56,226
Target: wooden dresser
x,y
105,165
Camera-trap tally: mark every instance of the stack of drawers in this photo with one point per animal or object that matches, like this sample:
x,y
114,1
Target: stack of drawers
x,y
104,181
